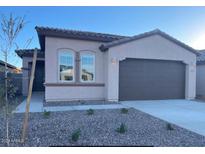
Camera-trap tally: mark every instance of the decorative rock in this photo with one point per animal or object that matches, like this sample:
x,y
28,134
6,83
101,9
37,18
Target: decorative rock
x,y
98,130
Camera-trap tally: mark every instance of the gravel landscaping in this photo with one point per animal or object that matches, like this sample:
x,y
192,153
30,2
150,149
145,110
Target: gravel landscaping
x,y
13,103
98,129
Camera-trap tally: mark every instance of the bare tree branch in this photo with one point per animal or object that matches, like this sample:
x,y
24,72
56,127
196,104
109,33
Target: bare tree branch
x,y
9,30
28,42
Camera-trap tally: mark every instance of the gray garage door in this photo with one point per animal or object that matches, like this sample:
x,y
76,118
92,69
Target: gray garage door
x,y
142,79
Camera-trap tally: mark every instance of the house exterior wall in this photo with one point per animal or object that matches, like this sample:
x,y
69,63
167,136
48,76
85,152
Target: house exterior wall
x,y
107,66
106,75
200,78
25,73
153,47
70,91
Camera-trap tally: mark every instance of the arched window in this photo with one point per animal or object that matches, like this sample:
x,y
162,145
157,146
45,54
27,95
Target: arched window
x,y
66,65
87,67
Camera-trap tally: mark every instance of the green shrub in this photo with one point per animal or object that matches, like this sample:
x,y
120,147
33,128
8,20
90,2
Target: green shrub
x,y
11,90
46,114
90,112
122,129
169,127
124,110
76,134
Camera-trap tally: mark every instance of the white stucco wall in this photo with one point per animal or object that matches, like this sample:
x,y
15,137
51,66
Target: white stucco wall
x,y
153,47
200,78
107,66
74,93
66,93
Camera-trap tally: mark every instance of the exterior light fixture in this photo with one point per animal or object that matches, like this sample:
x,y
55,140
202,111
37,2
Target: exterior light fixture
x,y
114,60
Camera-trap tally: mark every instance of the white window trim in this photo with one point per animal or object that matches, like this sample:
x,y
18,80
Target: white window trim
x,y
66,51
87,54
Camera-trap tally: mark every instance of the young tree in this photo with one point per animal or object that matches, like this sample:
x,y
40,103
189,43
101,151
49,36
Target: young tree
x,y
9,30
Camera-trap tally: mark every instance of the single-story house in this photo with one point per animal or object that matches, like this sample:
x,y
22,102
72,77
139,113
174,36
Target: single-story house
x,y
80,65
200,75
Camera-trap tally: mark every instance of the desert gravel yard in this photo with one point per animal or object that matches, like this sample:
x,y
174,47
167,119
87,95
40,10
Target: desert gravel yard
x,y
98,129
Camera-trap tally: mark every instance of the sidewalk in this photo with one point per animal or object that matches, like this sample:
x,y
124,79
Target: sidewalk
x,y
36,105
84,107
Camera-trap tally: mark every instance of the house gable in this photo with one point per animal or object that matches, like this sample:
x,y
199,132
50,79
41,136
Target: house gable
x,y
106,46
153,47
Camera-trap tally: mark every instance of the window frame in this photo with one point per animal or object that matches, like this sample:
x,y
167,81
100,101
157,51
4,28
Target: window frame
x,y
87,54
73,55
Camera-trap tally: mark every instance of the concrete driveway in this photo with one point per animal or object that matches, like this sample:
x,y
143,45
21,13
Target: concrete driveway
x,y
184,113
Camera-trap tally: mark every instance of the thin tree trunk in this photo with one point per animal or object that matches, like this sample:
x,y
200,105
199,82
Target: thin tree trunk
x,y
6,100
26,116
9,29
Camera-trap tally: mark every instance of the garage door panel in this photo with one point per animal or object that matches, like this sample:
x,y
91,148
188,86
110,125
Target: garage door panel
x,y
142,79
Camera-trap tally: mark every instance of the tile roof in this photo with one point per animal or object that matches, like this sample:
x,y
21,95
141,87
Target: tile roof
x,y
106,46
8,65
108,40
201,58
74,34
28,53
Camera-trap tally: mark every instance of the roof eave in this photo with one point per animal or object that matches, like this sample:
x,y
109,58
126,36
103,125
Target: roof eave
x,y
8,65
78,35
200,62
41,39
29,53
181,44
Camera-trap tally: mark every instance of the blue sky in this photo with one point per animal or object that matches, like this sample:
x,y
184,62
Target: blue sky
x,y
184,23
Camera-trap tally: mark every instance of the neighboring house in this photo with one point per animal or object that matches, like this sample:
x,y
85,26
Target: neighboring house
x,y
14,76
87,75
200,75
78,65
11,68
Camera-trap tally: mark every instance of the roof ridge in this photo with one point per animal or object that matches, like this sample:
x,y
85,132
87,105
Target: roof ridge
x,y
105,46
27,49
77,31
73,34
28,52
203,50
10,65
